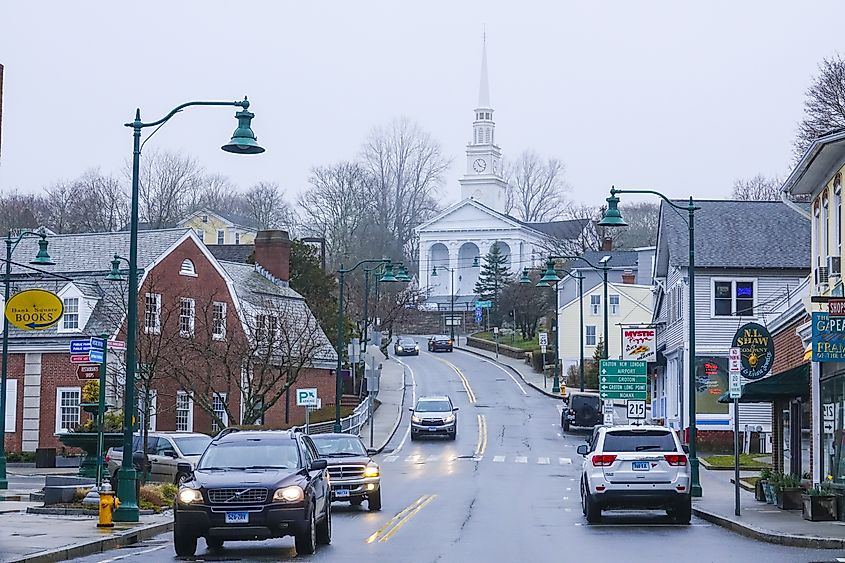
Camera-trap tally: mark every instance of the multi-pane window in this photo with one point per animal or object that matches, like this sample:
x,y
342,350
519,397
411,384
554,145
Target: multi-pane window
x,y
218,404
152,312
590,335
237,238
71,314
614,304
733,297
184,412
67,408
186,316
218,329
265,327
221,237
205,218
595,305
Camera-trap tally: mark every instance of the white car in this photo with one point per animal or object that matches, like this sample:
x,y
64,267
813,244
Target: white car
x,y
628,467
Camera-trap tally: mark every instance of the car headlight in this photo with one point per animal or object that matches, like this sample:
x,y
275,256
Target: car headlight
x,y
417,348
188,495
415,418
449,419
293,493
399,348
371,471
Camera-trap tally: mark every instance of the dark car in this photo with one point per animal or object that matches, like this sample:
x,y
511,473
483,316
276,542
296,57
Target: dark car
x,y
353,474
583,410
439,343
406,347
255,485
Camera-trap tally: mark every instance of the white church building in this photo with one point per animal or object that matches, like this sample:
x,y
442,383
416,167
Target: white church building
x,y
461,235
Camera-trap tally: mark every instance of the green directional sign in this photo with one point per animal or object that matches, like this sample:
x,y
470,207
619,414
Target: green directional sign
x,y
623,379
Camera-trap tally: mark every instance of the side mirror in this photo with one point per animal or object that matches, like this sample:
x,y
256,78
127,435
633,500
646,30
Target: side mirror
x,y
685,448
185,468
318,465
371,451
411,409
583,449
455,409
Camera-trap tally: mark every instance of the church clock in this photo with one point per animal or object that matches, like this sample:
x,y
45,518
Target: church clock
x,y
479,165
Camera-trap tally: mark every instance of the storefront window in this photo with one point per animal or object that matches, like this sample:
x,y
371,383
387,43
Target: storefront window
x,y
833,433
711,380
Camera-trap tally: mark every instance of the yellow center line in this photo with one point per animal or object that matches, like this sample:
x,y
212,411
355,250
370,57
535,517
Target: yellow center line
x,y
482,436
407,517
470,394
395,519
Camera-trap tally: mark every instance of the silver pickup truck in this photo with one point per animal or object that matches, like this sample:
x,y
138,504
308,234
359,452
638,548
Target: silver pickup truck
x,y
165,450
354,475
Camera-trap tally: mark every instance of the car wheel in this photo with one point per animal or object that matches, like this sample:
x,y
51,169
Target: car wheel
x,y
681,513
185,545
591,510
452,435
566,425
413,437
306,542
214,543
324,528
374,500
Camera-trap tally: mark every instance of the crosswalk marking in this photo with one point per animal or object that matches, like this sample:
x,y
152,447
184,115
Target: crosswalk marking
x,y
498,458
521,459
543,460
565,461
412,458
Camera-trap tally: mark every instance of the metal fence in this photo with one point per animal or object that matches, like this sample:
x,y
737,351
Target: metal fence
x,y
348,425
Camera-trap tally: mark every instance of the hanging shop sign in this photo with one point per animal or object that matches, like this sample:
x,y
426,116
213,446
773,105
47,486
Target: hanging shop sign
x,y
34,309
828,338
639,344
756,348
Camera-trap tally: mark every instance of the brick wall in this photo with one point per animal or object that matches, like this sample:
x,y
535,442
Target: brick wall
x,y
789,350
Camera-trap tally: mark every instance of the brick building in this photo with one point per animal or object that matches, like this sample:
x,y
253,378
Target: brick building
x,y
200,322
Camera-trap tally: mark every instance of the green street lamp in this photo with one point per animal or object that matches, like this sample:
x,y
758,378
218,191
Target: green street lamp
x,y
403,276
243,141
388,276
613,218
451,298
41,259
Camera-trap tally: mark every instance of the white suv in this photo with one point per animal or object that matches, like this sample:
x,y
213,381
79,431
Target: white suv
x,y
635,467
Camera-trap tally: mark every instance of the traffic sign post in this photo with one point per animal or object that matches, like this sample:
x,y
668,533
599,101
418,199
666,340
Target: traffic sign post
x,y
307,398
87,372
543,337
735,390
636,409
623,379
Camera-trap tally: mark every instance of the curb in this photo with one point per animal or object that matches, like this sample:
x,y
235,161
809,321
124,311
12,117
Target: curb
x,y
399,416
779,538
121,539
516,371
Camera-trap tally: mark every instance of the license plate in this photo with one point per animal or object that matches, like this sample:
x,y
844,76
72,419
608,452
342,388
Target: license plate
x,y
639,466
432,429
342,493
237,517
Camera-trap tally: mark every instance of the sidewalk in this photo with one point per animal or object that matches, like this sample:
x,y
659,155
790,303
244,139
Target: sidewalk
x,y
40,539
761,521
390,399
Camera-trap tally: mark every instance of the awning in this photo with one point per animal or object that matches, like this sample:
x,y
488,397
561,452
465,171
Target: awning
x,y
789,384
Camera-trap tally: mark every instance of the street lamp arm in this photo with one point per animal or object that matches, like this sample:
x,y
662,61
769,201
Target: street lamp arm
x,y
22,235
369,261
614,191
590,264
140,125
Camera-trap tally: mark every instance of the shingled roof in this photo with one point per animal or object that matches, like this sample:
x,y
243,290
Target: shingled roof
x,y
564,230
736,234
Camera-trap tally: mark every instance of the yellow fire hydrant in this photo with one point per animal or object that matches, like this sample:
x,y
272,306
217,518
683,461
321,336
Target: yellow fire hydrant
x,y
108,504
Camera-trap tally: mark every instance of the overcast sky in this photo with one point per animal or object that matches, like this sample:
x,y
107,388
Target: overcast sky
x,y
682,97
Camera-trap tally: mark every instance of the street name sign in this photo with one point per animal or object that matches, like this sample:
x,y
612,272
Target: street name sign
x,y
484,304
97,353
87,372
80,346
306,397
623,379
117,345
79,359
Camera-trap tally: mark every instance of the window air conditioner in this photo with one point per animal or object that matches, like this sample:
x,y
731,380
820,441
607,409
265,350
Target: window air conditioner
x,y
821,275
834,265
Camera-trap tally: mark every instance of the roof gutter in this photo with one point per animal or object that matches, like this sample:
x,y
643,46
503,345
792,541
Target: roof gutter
x,y
803,166
784,197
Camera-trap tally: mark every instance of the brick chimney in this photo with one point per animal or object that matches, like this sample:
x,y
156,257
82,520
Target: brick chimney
x,y
628,277
607,244
272,252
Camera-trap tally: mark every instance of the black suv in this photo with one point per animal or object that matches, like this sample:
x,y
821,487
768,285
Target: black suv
x,y
255,485
439,342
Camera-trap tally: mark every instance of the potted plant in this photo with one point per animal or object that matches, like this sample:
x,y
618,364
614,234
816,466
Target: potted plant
x,y
770,486
789,492
820,504
84,437
759,491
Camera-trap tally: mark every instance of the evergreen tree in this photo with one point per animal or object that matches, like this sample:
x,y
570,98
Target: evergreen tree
x,y
591,367
495,275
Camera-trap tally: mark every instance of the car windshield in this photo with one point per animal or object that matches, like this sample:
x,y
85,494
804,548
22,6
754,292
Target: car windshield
x,y
192,445
441,337
639,441
329,446
433,406
407,342
263,454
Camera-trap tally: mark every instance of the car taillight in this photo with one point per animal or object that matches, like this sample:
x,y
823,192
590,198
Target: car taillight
x,y
603,460
676,459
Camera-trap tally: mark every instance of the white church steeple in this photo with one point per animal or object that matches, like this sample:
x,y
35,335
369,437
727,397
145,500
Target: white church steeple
x,y
483,178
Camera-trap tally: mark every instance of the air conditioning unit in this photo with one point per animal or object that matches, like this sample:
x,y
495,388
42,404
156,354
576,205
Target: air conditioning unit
x,y
834,266
822,276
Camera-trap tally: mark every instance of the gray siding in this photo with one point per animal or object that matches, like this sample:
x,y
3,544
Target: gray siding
x,y
671,336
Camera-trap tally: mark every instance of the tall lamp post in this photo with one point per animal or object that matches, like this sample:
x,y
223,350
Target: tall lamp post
x,y
388,276
41,259
243,141
401,275
451,298
613,218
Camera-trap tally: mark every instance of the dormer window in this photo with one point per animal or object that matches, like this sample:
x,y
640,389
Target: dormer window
x,y
187,268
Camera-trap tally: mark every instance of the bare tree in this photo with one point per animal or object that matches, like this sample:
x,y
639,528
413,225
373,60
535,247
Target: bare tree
x,y
101,203
406,166
265,204
536,188
168,185
216,192
758,187
824,105
334,206
59,200
20,211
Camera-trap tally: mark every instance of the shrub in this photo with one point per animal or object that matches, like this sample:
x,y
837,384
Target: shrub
x,y
168,492
152,495
20,457
81,493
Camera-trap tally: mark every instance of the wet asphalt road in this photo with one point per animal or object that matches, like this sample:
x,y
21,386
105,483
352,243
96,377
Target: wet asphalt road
x,y
505,491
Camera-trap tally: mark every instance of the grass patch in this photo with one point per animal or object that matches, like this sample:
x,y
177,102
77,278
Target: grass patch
x,y
745,461
514,340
